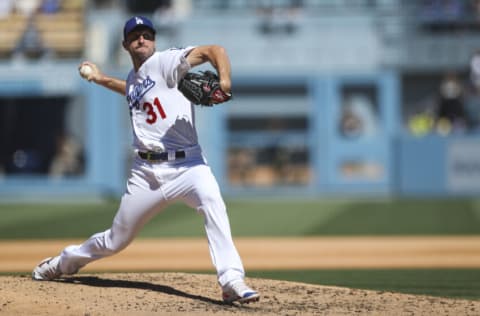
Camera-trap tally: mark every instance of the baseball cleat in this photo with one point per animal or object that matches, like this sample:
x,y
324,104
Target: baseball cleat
x,y
47,270
238,291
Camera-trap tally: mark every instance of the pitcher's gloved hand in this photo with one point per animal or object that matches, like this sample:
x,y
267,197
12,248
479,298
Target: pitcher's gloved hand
x,y
203,88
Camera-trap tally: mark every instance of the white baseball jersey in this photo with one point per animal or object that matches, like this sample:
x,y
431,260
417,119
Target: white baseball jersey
x,y
162,118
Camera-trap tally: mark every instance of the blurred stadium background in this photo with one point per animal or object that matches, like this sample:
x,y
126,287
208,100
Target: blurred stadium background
x,y
372,103
359,97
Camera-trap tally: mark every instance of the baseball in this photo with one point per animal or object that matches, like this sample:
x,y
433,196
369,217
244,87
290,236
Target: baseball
x,y
85,71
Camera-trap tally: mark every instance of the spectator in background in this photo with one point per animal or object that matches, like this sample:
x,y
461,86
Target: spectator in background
x,y
358,117
67,160
350,124
31,45
50,6
475,69
6,8
26,7
451,116
472,95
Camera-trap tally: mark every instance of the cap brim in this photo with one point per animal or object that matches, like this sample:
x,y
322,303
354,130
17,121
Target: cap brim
x,y
138,27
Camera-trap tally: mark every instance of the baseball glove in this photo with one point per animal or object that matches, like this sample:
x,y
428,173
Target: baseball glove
x,y
203,88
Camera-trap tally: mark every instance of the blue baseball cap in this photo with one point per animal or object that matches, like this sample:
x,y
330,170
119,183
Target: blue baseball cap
x,y
135,22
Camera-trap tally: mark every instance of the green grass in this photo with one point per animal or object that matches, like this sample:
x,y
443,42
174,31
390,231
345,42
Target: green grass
x,y
405,217
29,221
256,218
453,283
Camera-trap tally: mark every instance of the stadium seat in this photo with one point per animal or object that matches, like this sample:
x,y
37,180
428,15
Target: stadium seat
x,y
63,33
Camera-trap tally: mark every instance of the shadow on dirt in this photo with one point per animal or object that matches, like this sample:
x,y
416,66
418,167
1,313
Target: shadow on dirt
x,y
108,283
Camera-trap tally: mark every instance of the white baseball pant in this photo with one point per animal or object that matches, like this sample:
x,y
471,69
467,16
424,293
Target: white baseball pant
x,y
150,188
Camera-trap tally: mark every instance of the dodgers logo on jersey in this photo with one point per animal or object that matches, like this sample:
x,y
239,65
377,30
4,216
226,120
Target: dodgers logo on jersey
x,y
138,91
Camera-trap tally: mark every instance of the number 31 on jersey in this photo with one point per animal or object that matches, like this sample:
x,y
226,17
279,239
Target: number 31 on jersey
x,y
152,114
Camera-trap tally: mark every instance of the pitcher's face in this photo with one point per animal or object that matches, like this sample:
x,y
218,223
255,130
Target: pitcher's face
x,y
140,43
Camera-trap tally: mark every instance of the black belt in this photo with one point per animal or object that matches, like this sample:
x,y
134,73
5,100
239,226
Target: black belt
x,y
162,156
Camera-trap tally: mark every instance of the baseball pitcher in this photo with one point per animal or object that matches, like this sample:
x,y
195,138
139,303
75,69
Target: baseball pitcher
x,y
169,165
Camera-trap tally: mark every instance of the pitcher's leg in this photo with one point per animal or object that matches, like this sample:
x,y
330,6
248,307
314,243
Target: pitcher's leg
x,y
223,252
134,211
204,195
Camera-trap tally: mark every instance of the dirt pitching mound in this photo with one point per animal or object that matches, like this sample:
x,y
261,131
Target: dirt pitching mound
x,y
197,294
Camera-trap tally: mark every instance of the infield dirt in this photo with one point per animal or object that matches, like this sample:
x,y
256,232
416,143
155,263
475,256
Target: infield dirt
x,y
194,294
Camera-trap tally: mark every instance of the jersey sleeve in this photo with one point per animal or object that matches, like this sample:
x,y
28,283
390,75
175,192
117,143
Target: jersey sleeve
x,y
175,65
